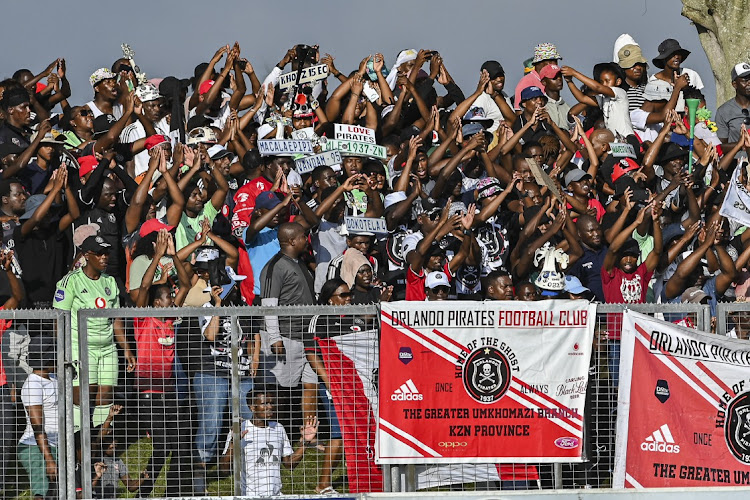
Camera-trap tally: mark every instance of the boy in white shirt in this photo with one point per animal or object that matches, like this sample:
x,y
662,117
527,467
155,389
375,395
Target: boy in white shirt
x,y
612,99
265,446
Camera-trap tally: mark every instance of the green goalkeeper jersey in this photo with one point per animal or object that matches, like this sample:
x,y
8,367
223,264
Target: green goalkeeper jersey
x,y
77,291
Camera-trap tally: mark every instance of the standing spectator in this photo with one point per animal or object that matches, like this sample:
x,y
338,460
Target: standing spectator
x,y
90,288
736,111
37,448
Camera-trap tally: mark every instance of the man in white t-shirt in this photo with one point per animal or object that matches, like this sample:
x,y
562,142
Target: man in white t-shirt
x,y
37,448
152,101
266,446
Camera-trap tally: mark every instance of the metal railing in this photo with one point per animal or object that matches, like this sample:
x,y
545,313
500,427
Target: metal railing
x,y
244,323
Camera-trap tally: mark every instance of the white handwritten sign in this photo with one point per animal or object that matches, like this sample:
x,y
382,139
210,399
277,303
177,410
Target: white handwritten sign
x,y
356,148
284,147
309,74
365,225
354,133
622,150
310,163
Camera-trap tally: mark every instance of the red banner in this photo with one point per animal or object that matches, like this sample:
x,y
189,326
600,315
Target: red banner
x,y
683,408
478,382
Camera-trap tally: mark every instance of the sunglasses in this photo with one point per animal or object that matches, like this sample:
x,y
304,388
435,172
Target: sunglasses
x,y
433,214
746,114
441,289
342,295
124,67
85,112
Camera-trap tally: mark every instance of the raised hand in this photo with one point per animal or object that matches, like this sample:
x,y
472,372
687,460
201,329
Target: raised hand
x,y
484,79
467,221
309,430
378,62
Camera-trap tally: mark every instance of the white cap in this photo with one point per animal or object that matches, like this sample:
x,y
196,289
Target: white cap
x,y
207,255
393,198
436,278
657,90
740,70
147,92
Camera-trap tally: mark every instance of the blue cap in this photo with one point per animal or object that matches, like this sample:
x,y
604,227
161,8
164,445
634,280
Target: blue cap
x,y
267,200
573,285
531,92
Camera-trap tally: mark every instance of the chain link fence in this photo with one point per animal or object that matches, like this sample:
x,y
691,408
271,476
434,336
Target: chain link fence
x,y
255,401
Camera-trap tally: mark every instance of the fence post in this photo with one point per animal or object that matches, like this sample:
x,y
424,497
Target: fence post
x,y
721,318
83,403
65,458
411,478
557,475
237,463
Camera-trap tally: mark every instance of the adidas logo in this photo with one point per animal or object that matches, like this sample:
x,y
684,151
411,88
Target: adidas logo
x,y
407,392
84,291
661,440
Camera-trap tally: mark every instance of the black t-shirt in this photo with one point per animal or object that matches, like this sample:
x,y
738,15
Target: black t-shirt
x,y
371,296
43,256
12,140
109,229
542,129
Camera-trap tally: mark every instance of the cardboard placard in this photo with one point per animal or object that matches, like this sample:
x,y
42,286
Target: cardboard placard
x,y
354,133
310,163
304,133
356,148
622,150
309,74
543,179
284,147
365,225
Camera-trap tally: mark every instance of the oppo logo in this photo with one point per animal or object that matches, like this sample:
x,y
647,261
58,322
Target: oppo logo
x,y
453,444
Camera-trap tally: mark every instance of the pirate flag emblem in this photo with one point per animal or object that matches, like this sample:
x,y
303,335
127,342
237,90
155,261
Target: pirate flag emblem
x,y
737,427
486,375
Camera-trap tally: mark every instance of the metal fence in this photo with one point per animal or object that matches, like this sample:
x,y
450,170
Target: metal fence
x,y
180,420
33,344
733,319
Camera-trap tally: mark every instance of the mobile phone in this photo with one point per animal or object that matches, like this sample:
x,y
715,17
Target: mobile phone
x,y
429,54
242,64
54,119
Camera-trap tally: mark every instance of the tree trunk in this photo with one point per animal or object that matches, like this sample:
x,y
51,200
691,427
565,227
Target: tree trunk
x,y
722,29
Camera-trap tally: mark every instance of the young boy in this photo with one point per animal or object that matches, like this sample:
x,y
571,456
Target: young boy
x,y
266,446
611,98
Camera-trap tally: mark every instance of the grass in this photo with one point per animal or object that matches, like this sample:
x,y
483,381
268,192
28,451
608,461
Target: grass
x,y
302,480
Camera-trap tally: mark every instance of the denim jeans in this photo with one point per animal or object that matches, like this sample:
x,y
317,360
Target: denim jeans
x,y
212,395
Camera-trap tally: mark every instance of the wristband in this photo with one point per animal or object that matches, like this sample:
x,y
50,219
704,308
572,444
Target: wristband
x,y
467,232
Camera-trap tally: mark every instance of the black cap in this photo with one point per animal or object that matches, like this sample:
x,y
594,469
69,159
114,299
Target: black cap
x,y
494,68
95,244
630,248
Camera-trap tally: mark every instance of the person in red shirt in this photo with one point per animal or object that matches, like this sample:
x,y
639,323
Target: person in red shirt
x,y
430,256
158,407
272,178
626,282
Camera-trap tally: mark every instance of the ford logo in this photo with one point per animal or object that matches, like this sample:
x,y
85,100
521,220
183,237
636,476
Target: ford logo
x,y
566,443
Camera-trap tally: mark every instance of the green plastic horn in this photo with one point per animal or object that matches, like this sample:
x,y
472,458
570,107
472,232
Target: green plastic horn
x,y
692,105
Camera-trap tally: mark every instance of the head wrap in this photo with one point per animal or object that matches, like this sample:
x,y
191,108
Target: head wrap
x,y
403,56
353,260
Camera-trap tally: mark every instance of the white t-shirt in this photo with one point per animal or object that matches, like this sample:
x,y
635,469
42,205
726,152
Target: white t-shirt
x,y
38,391
135,131
262,450
116,110
647,132
219,121
491,110
616,113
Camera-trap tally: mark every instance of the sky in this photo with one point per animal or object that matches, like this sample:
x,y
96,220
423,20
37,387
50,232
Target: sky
x,y
170,37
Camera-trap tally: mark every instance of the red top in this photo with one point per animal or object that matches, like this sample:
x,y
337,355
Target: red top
x,y
154,339
4,325
415,283
622,288
244,200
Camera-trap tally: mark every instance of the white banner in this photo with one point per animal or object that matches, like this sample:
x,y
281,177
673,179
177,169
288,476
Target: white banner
x,y
354,133
284,147
683,409
309,74
478,382
736,204
310,163
365,225
356,148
